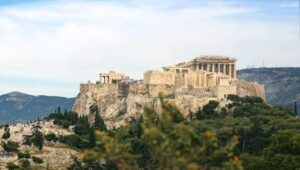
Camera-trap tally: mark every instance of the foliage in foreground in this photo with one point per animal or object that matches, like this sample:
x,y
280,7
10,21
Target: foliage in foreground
x,y
247,132
160,142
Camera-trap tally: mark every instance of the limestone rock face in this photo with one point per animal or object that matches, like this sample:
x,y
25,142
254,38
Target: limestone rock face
x,y
119,103
116,110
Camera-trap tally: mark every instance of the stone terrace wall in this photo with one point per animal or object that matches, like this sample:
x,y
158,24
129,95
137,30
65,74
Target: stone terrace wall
x,y
196,92
152,90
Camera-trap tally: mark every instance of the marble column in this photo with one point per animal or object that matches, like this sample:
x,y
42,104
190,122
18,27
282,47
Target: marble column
x,y
102,79
229,71
213,67
219,67
234,71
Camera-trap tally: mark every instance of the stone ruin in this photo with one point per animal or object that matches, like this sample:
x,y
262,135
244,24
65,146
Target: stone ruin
x,y
189,85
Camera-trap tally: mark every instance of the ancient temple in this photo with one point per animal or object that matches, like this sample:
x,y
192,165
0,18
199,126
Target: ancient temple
x,y
204,71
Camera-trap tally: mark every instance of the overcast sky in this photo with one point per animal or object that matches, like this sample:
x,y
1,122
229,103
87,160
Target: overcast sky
x,y
49,47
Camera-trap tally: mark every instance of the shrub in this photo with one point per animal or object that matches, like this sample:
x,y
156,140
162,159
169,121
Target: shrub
x,y
51,137
10,146
25,164
12,166
23,155
37,160
75,141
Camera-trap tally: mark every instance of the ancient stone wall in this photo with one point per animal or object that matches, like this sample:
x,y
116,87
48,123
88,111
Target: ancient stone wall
x,y
221,92
159,78
196,92
151,89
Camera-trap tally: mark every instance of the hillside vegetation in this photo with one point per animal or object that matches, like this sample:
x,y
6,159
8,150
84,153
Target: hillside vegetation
x,y
246,134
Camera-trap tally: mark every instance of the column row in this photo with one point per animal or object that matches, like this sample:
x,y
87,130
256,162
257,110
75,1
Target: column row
x,y
228,69
105,79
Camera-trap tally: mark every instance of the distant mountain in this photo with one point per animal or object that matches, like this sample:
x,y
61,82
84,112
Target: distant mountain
x,y
18,106
282,85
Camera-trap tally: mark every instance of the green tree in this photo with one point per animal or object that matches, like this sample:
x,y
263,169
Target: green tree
x,y
210,107
98,121
92,138
296,109
37,137
6,134
58,109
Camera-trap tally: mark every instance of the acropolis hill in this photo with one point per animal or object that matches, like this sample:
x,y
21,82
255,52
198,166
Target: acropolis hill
x,y
189,85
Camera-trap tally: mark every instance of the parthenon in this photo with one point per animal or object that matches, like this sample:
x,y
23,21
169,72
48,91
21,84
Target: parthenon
x,y
216,64
204,71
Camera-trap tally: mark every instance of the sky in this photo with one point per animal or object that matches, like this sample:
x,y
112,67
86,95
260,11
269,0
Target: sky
x,y
49,47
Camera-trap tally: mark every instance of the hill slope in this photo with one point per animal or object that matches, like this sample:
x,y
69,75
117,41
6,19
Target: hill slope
x,y
18,106
282,85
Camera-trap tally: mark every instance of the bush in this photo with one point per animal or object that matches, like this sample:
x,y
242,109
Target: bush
x,y
12,166
210,107
234,98
23,155
25,164
253,100
51,137
75,141
10,146
37,160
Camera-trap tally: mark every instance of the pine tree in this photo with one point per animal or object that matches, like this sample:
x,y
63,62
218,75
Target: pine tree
x,y
99,122
58,109
6,133
37,136
296,109
92,138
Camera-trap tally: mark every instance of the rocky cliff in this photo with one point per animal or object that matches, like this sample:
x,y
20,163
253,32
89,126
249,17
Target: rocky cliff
x,y
116,110
121,102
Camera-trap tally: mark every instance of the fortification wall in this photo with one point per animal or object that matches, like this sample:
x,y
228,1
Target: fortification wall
x,y
100,89
196,92
152,90
221,92
245,88
159,78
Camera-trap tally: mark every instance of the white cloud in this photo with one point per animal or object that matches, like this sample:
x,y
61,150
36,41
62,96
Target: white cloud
x,y
293,4
73,41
